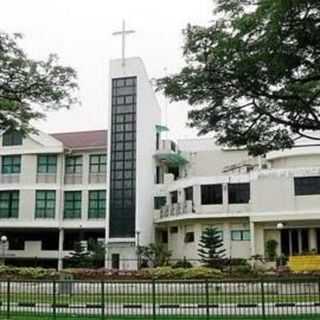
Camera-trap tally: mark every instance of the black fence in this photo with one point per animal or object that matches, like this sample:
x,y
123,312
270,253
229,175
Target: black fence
x,y
206,299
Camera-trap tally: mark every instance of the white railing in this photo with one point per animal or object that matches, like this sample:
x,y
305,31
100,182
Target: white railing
x,y
46,178
176,209
9,178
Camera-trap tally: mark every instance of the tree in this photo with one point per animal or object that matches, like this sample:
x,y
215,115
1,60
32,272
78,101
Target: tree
x,y
29,87
155,254
211,249
253,76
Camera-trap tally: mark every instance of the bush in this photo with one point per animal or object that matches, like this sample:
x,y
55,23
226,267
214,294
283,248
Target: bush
x,y
7,272
183,264
182,273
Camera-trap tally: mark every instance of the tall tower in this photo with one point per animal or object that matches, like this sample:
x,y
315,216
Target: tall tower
x,y
133,115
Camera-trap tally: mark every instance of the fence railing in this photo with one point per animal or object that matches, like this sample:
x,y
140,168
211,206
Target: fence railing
x,y
158,299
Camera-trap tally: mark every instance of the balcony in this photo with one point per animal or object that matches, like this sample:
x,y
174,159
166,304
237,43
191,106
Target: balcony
x,y
169,154
176,209
9,178
97,178
46,178
73,178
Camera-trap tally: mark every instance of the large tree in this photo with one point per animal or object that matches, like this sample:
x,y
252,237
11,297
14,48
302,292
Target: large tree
x,y
253,75
29,87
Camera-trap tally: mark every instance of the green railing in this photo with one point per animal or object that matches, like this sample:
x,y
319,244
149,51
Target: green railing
x,y
158,299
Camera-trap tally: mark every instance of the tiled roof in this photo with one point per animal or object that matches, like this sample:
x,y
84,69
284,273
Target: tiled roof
x,y
83,139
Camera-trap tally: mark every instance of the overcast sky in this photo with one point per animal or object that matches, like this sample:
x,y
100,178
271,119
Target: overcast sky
x,y
80,32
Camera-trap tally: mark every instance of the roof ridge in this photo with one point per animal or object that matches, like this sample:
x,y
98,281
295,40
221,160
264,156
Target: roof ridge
x,y
77,132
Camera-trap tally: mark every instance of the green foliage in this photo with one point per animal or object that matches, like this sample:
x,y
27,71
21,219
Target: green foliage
x,y
29,87
271,249
184,263
253,75
91,257
7,272
182,273
211,249
155,254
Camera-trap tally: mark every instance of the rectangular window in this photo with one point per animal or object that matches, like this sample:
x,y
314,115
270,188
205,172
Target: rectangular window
x,y
73,164
159,202
9,204
47,163
11,164
189,237
174,197
12,138
98,163
240,235
97,204
188,194
72,205
306,186
45,204
239,192
174,229
211,194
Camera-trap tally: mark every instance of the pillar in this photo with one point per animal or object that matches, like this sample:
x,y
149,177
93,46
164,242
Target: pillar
x,y
313,239
252,239
60,249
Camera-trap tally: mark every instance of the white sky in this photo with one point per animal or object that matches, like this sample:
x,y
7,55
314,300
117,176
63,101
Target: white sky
x,y
80,32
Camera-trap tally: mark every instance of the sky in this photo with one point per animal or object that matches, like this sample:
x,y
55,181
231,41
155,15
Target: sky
x,y
80,32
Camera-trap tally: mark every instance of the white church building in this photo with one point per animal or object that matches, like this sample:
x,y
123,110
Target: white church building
x,y
129,186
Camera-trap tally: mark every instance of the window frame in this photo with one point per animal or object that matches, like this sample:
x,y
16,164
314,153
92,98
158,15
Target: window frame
x,y
237,198
101,165
302,181
49,165
47,211
98,212
244,235
159,202
14,168
12,208
211,194
71,164
12,138
74,211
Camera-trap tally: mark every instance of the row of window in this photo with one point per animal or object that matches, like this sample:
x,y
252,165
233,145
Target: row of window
x,y
45,205
238,192
47,164
236,235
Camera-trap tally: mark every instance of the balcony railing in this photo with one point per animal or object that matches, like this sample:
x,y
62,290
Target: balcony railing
x,y
9,178
46,178
97,178
73,178
177,209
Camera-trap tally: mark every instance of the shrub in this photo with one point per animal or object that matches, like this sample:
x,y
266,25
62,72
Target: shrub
x,y
184,263
271,249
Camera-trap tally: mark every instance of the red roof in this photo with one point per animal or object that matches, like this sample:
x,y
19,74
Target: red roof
x,y
83,139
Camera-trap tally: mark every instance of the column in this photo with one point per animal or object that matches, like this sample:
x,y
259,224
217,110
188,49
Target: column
x,y
197,197
60,252
313,239
227,239
252,239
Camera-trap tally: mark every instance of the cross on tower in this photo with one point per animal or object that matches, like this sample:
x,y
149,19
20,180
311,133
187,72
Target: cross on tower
x,y
123,33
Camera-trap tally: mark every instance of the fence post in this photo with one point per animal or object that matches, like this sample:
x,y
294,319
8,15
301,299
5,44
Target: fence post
x,y
207,299
263,305
54,299
153,299
8,299
102,300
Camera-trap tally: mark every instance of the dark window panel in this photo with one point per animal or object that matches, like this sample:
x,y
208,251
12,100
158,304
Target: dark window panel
x,y
239,193
211,194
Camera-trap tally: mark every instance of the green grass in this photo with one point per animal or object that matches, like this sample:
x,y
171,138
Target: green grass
x,y
182,317
143,298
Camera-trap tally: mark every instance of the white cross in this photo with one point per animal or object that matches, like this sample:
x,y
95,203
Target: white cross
x,y
123,33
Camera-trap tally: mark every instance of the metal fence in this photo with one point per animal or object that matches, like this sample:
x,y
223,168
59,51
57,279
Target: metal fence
x,y
155,299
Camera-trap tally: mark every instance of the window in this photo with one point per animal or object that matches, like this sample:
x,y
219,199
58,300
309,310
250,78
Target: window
x,y
159,202
12,138
188,194
72,205
189,237
211,194
239,192
97,204
240,235
45,204
9,204
73,164
164,236
158,175
47,163
174,229
11,164
98,163
123,158
306,186
174,197
157,141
